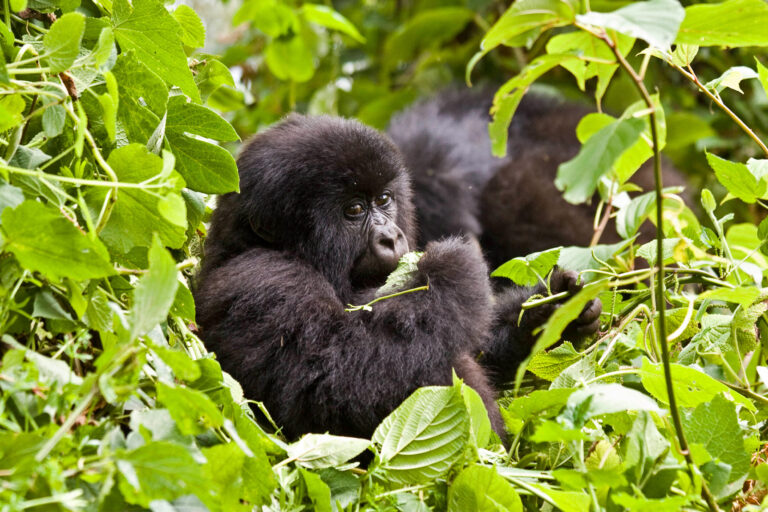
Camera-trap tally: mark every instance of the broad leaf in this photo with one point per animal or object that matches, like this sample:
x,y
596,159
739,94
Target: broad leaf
x,y
158,471
428,28
421,439
598,399
407,268
193,411
732,23
482,489
691,386
737,178
529,270
62,42
204,166
655,21
44,241
154,292
192,28
317,451
147,28
578,177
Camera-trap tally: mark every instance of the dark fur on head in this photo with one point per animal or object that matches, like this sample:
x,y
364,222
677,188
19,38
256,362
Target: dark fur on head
x,y
292,179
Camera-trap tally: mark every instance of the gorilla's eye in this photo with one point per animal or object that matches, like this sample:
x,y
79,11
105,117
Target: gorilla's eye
x,y
383,199
354,210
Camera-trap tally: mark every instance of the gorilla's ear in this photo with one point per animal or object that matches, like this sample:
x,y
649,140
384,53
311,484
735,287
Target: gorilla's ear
x,y
261,230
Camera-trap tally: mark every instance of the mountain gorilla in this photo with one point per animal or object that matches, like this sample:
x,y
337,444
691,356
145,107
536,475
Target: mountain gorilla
x,y
324,214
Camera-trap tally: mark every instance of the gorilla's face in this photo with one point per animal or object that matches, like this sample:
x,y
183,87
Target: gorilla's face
x,y
382,241
332,191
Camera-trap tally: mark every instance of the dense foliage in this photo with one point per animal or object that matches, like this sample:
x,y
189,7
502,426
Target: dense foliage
x,y
108,114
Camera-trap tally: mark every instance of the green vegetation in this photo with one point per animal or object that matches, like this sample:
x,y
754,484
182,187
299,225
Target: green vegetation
x,y
109,117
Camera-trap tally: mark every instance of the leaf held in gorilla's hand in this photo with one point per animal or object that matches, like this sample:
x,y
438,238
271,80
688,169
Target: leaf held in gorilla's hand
x,y
406,269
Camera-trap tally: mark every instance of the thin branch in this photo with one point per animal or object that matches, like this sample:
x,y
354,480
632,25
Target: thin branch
x,y
674,411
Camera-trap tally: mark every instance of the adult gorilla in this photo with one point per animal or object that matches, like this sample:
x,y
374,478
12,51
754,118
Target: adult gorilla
x,y
510,204
324,214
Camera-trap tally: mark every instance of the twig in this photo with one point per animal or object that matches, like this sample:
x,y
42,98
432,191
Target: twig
x,y
674,411
367,307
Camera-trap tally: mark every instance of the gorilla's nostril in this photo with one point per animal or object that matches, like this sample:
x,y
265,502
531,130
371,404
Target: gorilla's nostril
x,y
387,243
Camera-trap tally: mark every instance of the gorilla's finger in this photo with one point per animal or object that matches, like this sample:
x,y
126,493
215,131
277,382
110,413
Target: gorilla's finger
x,y
591,312
564,281
591,328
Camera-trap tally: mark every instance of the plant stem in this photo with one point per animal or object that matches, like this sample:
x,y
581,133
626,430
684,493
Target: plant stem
x,y
690,75
351,308
75,181
674,411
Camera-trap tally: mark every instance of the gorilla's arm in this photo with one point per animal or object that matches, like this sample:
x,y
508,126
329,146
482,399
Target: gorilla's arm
x,y
279,328
511,338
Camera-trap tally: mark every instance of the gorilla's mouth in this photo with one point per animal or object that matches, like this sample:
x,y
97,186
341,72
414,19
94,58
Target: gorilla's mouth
x,y
369,271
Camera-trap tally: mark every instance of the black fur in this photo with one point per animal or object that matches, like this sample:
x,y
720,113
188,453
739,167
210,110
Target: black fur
x,y
510,204
277,276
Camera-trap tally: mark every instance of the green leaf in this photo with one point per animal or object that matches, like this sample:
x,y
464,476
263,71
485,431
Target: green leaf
x,y
743,295
54,118
192,29
578,177
649,250
192,410
104,47
643,445
62,42
290,59
482,489
733,23
479,422
317,490
136,216
158,471
692,387
528,270
148,29
545,402
44,241
154,292
737,179
631,217
271,17
11,108
184,368
715,425
643,504
316,451
597,399
136,81
731,79
762,73
429,28
548,365
10,196
655,21
204,166
522,23
407,268
684,54
329,18
424,436
507,98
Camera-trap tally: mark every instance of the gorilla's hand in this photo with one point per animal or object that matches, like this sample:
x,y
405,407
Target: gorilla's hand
x,y
512,337
588,322
454,263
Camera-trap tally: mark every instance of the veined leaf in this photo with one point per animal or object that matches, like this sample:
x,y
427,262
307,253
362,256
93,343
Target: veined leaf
x,y
204,166
481,489
731,78
527,271
578,177
155,291
44,241
525,20
654,21
193,30
148,29
62,42
424,436
732,23
598,399
737,179
691,386
317,451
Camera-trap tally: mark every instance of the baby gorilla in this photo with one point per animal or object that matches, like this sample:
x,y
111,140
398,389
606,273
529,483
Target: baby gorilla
x,y
324,214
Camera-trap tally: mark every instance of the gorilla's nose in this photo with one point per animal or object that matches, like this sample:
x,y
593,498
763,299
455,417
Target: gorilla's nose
x,y
389,245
